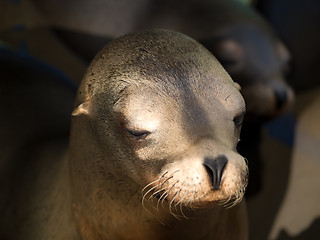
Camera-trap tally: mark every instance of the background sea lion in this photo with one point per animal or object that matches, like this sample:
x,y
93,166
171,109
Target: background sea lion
x,y
152,151
297,19
237,35
241,40
36,104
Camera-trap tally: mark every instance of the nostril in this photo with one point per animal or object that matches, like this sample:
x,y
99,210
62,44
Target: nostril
x,y
281,97
215,167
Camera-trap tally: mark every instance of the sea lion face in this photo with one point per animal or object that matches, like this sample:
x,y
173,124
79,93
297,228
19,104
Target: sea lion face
x,y
171,118
259,62
176,140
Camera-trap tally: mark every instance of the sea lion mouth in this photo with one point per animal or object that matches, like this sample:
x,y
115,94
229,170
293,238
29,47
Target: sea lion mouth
x,y
170,192
184,207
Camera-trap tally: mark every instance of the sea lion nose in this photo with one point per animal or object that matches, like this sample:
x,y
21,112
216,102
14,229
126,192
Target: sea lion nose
x,y
215,167
281,97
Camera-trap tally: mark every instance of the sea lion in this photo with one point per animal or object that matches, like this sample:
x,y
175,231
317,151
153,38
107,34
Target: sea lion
x,y
153,143
243,42
305,50
152,151
36,102
236,34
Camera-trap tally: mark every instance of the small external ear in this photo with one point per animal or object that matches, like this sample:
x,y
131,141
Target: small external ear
x,y
284,56
237,85
82,109
283,52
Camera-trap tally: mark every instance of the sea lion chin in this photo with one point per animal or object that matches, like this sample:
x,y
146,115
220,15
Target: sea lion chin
x,y
156,126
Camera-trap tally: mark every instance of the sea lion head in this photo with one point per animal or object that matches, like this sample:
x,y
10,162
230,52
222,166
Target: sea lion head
x,y
259,62
242,41
165,116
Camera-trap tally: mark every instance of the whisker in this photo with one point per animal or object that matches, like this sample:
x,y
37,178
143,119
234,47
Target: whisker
x,y
167,193
161,188
150,184
173,198
144,196
157,180
151,189
161,199
180,204
193,197
183,212
180,201
168,178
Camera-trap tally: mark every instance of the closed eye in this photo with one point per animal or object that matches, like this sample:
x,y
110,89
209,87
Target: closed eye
x,y
238,120
138,134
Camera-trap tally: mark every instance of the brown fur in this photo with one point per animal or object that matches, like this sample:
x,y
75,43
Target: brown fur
x,y
146,188
145,119
238,36
243,42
